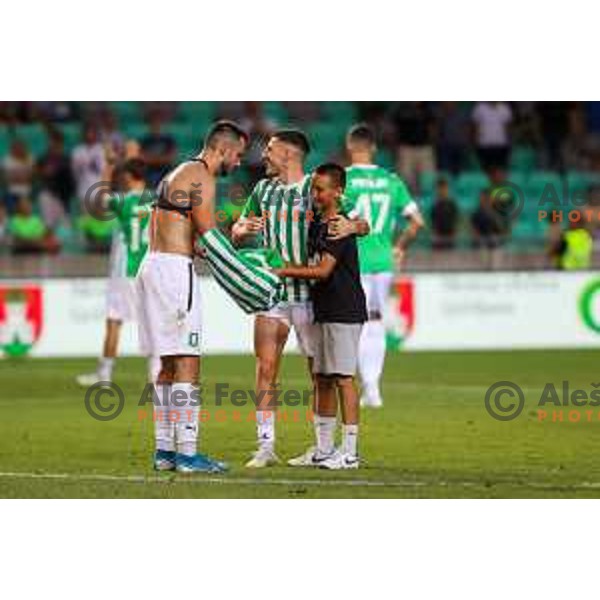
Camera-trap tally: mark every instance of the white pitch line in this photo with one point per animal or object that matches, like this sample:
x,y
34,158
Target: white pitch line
x,y
368,483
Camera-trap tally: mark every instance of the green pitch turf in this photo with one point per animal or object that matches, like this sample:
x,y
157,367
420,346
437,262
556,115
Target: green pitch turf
x,y
433,438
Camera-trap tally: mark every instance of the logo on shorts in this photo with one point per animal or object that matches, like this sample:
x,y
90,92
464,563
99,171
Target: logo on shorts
x,y
21,319
399,317
194,339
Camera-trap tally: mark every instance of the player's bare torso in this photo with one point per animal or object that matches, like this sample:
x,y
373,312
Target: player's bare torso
x,y
189,191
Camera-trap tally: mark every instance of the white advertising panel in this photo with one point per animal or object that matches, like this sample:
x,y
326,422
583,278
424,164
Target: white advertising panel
x,y
65,317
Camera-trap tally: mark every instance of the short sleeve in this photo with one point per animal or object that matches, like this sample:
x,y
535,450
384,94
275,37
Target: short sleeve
x,y
252,206
403,201
336,247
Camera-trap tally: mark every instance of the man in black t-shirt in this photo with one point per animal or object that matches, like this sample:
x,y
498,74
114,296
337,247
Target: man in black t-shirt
x,y
340,310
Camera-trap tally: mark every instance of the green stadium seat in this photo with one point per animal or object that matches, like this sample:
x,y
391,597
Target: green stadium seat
x,y
385,159
276,111
198,114
326,137
34,136
542,188
578,181
315,158
341,113
467,188
127,110
428,181
523,158
71,133
518,178
4,140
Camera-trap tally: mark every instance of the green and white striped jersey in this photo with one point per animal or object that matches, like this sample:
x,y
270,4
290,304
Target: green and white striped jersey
x,y
244,275
288,212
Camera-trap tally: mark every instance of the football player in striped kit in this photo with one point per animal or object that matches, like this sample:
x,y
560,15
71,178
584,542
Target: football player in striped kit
x,y
280,210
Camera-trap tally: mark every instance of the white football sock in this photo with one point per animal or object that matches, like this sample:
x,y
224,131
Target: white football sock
x,y
185,406
105,368
265,428
324,431
154,367
350,439
164,429
371,356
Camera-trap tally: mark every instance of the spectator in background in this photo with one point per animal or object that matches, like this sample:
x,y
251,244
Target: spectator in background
x,y
18,167
3,227
453,137
573,251
96,230
56,179
415,135
158,150
88,163
55,111
444,218
111,137
260,128
554,125
488,225
492,121
28,232
577,149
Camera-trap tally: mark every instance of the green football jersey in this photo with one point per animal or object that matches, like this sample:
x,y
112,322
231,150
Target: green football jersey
x,y
288,212
133,213
379,197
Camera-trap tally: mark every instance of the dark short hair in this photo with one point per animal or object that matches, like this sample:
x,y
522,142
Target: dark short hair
x,y
335,172
293,137
136,168
362,133
225,129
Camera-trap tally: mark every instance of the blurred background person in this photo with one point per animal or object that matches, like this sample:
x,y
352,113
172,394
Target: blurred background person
x,y
445,218
491,123
18,168
453,137
29,234
415,139
488,227
573,250
3,227
87,163
260,128
158,150
56,182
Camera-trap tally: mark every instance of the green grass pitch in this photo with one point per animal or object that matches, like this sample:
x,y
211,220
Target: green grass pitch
x,y
433,438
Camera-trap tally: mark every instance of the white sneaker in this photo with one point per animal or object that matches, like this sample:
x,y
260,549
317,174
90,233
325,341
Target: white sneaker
x,y
338,461
304,460
263,457
88,379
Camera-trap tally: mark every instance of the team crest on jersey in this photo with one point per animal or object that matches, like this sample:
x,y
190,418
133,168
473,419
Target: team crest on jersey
x,y
399,319
21,318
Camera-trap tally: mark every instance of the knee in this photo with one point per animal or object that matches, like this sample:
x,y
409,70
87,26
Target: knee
x,y
267,369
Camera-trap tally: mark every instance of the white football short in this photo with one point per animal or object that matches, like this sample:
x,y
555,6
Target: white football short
x,y
171,304
299,316
377,290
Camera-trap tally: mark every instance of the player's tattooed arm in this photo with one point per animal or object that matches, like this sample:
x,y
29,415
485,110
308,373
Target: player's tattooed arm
x,y
199,188
340,227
